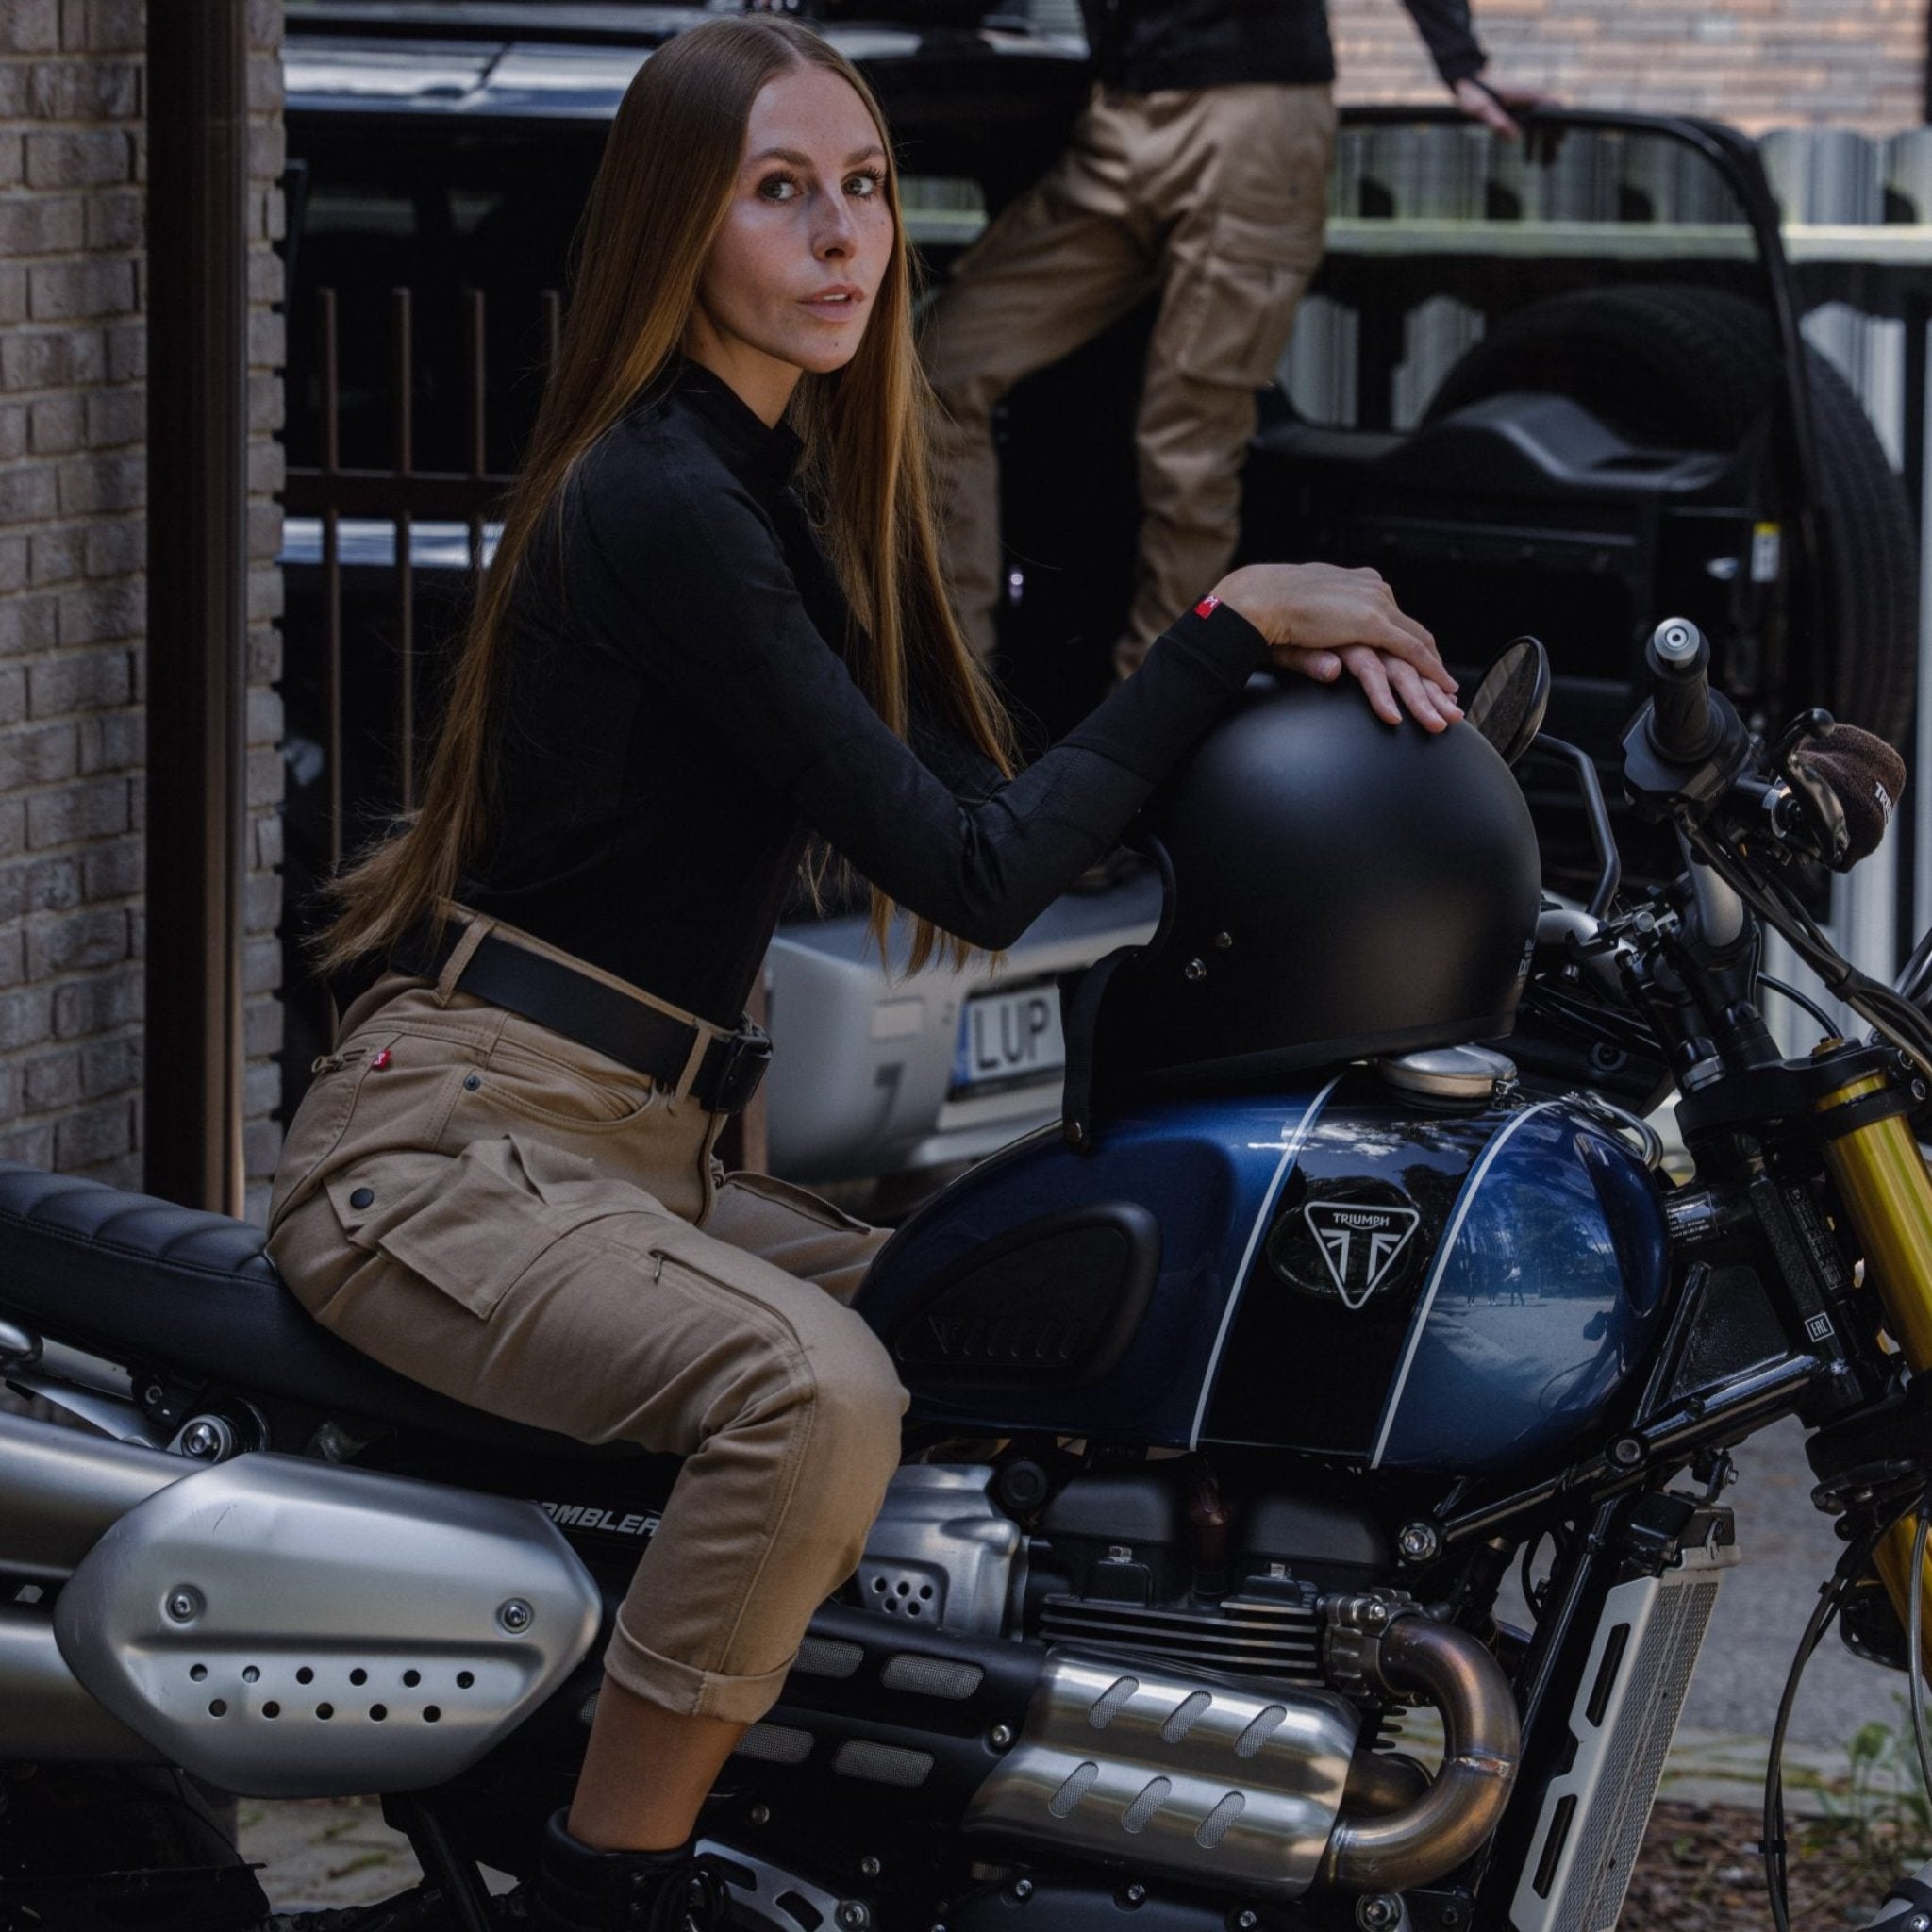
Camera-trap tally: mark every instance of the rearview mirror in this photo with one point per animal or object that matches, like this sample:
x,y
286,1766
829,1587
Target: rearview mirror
x,y
1512,698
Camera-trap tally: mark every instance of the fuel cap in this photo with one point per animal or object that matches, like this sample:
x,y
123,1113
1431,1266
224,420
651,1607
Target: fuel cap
x,y
1450,1073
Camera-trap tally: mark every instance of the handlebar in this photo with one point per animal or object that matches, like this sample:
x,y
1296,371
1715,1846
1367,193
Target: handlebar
x,y
1682,729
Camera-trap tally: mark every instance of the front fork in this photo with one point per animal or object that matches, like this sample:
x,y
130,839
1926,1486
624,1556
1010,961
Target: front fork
x,y
1875,1161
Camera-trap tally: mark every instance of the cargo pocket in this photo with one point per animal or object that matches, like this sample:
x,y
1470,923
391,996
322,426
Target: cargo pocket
x,y
469,1226
1234,309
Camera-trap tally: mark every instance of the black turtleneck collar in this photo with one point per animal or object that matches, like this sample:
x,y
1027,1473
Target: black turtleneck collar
x,y
764,457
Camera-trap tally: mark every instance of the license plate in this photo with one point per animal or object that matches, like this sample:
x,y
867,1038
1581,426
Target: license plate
x,y
1009,1037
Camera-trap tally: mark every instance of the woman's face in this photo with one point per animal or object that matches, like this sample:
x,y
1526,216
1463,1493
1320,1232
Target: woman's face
x,y
790,278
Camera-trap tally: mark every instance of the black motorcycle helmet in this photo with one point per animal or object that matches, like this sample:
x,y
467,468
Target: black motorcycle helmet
x,y
1336,888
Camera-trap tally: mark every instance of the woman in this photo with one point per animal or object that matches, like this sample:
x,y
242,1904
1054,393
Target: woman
x,y
501,1183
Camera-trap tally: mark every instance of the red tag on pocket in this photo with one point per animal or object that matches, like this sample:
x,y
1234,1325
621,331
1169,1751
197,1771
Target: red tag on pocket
x,y
379,1061
1208,606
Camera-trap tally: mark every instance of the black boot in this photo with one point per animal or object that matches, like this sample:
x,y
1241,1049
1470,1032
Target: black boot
x,y
579,1888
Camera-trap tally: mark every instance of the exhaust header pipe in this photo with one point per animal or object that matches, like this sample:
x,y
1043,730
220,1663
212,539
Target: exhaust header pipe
x,y
1390,1645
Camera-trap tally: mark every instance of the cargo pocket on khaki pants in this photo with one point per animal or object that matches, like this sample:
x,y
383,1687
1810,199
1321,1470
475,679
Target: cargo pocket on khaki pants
x,y
469,1226
1233,288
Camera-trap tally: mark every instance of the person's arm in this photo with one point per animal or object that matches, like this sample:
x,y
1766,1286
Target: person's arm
x,y
691,567
1449,34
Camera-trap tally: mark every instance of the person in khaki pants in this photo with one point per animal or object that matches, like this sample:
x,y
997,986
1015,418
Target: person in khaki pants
x,y
501,1182
1198,172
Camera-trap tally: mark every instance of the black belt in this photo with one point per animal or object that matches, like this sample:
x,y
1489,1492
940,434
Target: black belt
x,y
585,1009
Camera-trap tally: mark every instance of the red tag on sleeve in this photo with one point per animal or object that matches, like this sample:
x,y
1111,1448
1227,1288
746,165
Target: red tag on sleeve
x,y
1208,606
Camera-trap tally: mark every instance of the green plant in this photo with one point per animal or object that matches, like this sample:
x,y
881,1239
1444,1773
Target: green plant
x,y
1880,1819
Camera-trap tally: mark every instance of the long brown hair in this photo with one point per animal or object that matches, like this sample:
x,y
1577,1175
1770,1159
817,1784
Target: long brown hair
x,y
660,198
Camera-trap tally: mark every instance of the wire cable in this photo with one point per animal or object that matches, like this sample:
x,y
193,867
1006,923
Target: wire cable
x,y
1896,1020
1799,999
1831,1595
1916,1607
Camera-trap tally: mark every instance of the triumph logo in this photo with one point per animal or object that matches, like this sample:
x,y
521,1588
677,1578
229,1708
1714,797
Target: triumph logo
x,y
1359,1242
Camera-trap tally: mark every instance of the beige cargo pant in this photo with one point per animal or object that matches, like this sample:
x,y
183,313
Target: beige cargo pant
x,y
525,1226
1213,198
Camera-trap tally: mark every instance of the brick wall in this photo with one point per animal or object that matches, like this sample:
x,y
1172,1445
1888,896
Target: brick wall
x,y
71,590
1759,63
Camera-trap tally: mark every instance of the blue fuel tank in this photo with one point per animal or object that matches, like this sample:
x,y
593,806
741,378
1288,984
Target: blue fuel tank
x,y
1345,1270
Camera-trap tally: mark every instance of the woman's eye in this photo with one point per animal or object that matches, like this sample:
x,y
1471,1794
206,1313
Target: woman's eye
x,y
777,187
865,185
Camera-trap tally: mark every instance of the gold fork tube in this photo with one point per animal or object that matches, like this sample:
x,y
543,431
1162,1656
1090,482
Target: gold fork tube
x,y
1881,1179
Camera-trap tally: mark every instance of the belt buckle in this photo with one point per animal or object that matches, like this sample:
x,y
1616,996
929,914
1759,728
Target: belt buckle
x,y
746,1056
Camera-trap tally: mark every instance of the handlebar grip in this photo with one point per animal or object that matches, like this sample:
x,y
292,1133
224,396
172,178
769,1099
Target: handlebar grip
x,y
1682,729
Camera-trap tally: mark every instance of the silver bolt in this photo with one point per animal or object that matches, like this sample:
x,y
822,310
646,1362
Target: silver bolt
x,y
1247,1921
1224,940
1194,970
1379,1912
1919,1922
1419,1542
516,1616
184,1605
1134,1893
202,1440
152,1396
868,1867
1375,1615
1022,1888
761,1814
852,1916
1002,1735
1626,1452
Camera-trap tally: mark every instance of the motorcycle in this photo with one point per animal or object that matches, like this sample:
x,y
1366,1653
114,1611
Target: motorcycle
x,y
1235,1404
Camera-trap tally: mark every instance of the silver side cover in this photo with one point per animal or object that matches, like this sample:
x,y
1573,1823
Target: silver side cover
x,y
940,1552
1210,1781
285,1628
1627,1702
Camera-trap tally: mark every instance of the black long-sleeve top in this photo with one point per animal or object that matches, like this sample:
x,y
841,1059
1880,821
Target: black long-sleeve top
x,y
678,719
1141,46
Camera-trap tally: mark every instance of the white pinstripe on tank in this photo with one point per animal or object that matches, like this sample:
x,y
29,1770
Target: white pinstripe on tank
x,y
1292,1140
1447,1247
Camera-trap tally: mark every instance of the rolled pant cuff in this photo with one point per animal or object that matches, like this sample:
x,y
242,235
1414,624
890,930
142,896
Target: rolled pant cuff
x,y
686,1690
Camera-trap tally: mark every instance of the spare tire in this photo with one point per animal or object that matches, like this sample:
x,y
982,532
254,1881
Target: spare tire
x,y
1697,368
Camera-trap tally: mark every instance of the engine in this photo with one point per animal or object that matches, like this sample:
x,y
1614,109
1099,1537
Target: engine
x,y
1135,1684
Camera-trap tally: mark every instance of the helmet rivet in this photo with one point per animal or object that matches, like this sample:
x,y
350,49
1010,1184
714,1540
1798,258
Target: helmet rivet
x,y
852,1916
1022,1888
1378,1913
184,1605
516,1615
869,1867
1223,941
1194,969
1002,1735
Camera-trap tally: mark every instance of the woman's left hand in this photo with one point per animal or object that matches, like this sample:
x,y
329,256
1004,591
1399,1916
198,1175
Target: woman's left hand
x,y
1389,682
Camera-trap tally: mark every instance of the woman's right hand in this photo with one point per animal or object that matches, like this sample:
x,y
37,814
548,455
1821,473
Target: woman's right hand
x,y
1321,620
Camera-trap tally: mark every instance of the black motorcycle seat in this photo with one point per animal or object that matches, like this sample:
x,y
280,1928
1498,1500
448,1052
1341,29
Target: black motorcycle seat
x,y
194,1294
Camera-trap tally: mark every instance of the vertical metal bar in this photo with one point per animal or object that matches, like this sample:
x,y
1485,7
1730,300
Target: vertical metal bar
x,y
197,609
403,318
479,450
332,573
